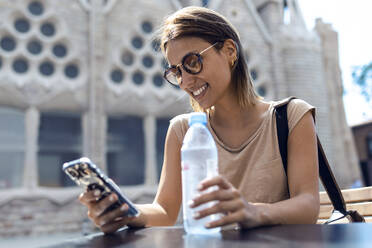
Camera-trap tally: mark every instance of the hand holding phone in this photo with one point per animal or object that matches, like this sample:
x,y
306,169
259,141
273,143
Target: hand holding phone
x,y
87,175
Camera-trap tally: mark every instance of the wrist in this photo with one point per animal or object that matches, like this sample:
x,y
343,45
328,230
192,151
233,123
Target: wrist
x,y
266,215
139,221
259,215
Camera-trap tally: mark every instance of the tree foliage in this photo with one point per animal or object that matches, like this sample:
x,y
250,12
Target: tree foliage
x,y
362,77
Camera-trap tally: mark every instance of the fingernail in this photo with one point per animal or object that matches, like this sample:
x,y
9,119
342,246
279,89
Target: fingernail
x,y
191,203
111,198
200,187
196,215
97,193
208,225
102,223
124,207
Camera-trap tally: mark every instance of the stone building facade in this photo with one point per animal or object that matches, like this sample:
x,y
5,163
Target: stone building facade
x,y
84,78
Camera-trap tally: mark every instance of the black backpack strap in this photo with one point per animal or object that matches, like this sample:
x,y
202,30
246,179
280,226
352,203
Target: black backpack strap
x,y
282,128
325,171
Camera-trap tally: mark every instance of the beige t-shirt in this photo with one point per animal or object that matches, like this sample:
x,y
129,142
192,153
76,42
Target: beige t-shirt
x,y
255,168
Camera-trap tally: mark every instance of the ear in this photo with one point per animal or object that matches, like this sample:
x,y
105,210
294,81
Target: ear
x,y
230,50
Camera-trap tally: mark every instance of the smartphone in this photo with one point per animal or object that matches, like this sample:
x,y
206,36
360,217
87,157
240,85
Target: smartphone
x,y
87,175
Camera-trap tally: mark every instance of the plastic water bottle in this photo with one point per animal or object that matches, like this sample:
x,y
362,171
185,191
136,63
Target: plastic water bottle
x,y
199,161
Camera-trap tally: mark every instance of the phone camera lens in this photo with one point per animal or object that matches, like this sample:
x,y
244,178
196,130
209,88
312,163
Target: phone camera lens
x,y
73,173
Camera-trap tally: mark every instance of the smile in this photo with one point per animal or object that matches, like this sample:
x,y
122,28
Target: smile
x,y
199,91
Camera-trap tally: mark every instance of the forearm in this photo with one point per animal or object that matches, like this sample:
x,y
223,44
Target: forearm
x,y
152,215
301,209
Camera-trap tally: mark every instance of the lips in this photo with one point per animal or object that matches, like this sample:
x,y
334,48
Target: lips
x,y
199,92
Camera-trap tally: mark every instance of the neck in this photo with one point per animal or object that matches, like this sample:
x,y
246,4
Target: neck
x,y
232,115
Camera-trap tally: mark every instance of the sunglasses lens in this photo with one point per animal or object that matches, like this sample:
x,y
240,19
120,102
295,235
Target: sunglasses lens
x,y
192,64
173,75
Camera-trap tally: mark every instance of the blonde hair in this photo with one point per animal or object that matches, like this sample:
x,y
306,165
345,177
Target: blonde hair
x,y
212,27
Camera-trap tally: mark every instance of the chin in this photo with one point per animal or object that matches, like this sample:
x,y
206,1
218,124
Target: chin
x,y
205,105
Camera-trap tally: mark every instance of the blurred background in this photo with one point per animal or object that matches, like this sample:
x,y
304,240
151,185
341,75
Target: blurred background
x,y
84,78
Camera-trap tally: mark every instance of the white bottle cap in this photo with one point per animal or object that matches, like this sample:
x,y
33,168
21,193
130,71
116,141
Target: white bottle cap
x,y
198,117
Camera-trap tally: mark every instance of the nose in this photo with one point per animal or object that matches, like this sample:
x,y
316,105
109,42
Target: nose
x,y
186,78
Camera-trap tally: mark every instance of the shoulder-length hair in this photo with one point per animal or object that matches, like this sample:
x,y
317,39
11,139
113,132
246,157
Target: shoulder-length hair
x,y
212,27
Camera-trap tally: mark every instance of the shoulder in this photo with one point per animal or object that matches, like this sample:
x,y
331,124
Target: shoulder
x,y
299,106
179,125
296,109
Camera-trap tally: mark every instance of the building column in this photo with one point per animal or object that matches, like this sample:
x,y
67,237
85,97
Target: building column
x,y
149,127
345,159
94,122
30,176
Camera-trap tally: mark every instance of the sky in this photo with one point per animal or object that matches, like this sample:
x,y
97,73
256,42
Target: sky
x,y
352,19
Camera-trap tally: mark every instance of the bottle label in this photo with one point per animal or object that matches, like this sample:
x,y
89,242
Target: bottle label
x,y
185,166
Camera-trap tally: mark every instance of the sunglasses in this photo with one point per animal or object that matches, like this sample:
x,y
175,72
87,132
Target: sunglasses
x,y
192,63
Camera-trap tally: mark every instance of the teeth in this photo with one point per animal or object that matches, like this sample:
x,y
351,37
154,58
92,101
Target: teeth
x,y
199,91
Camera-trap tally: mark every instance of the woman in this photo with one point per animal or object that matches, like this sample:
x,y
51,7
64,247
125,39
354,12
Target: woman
x,y
206,60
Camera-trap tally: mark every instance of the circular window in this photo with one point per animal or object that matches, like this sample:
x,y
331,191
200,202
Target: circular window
x,y
205,3
48,29
117,76
59,50
158,80
20,65
8,43
147,27
254,74
148,61
22,25
36,8
261,90
155,44
34,47
127,58
46,68
138,78
137,42
71,71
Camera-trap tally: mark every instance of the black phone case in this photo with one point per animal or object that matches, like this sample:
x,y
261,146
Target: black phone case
x,y
87,175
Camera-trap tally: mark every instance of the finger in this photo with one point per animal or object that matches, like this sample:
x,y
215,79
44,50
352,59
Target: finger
x,y
221,207
226,220
216,195
89,196
219,181
98,208
114,226
112,216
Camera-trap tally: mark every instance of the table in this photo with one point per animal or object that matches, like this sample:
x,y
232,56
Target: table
x,y
354,235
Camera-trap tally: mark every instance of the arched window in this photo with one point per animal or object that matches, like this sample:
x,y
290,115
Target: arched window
x,y
60,140
125,150
12,147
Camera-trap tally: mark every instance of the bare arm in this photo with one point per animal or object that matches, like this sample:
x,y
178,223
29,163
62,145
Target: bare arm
x,y
303,205
163,211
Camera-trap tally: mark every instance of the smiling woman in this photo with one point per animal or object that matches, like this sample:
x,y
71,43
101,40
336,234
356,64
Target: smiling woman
x,y
207,61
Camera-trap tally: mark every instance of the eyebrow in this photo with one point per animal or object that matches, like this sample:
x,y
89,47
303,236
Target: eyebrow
x,y
193,51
